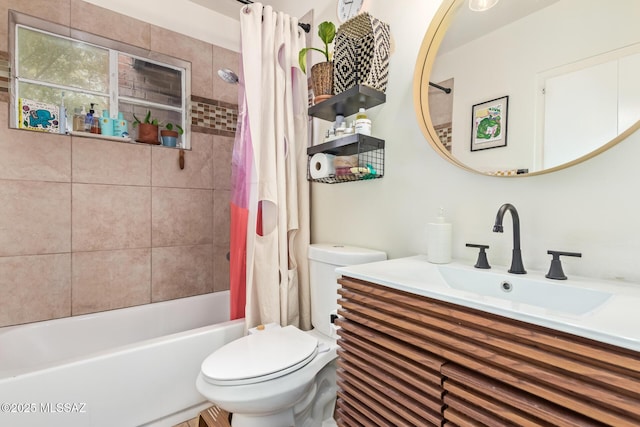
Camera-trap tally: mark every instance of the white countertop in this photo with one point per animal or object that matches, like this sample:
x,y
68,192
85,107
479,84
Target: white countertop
x,y
616,321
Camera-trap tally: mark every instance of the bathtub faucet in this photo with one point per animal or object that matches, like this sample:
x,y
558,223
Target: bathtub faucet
x,y
516,258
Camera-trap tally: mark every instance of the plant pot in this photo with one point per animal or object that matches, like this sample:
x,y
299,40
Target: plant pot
x,y
169,138
148,133
322,80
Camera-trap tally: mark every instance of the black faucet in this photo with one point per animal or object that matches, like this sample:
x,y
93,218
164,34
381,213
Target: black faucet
x,y
516,259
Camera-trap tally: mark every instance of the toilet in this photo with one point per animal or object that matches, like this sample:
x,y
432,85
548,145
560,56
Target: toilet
x,y
283,376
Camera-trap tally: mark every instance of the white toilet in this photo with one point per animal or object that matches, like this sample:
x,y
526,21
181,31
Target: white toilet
x,y
281,377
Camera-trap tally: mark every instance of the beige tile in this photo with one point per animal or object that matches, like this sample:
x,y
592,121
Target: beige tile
x,y
198,52
221,217
220,268
51,10
106,23
222,154
110,217
35,288
181,271
35,218
225,58
181,217
110,162
198,164
37,156
105,280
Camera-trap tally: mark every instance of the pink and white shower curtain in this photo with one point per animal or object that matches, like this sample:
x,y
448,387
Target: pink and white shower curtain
x,y
270,195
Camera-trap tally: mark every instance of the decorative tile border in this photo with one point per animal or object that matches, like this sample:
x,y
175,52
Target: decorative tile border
x,y
444,133
213,117
5,76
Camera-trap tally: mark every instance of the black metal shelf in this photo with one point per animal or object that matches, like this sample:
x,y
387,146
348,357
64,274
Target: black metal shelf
x,y
348,145
348,102
369,150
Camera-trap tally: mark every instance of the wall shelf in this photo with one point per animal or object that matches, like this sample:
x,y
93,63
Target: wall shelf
x,y
348,103
369,150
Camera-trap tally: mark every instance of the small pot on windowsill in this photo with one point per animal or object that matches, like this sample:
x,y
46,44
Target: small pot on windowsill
x,y
170,136
148,133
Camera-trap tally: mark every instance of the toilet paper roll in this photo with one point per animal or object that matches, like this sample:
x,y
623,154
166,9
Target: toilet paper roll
x,y
321,166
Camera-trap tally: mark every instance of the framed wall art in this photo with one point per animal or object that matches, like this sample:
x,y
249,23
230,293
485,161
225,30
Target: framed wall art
x,y
489,124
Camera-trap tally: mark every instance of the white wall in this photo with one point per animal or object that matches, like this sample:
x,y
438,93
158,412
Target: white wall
x,y
181,16
592,208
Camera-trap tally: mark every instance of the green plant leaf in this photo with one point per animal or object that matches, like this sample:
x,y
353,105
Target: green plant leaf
x,y
147,118
327,32
136,121
180,130
168,126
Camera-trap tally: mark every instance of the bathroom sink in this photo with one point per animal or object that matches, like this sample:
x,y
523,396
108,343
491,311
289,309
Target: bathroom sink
x,y
599,309
539,292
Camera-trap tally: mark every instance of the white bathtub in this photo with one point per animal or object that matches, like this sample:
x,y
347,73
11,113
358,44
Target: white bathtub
x,y
121,368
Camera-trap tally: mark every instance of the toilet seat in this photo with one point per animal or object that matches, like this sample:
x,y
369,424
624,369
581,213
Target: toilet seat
x,y
260,357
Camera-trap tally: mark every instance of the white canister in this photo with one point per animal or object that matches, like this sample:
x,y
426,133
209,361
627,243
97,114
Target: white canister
x,y
363,126
439,240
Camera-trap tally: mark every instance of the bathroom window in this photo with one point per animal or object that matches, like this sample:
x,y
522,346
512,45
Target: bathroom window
x,y
84,69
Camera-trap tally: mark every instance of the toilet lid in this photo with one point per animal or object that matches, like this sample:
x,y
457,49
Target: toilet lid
x,y
259,357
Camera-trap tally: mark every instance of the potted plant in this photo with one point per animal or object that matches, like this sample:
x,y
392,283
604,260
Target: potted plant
x,y
170,136
322,72
147,129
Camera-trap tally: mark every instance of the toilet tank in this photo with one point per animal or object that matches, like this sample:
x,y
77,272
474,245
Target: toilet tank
x,y
323,260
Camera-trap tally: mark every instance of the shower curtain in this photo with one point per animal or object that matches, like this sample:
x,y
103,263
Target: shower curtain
x,y
270,193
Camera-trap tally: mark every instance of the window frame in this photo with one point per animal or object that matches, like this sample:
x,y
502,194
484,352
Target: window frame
x,y
114,48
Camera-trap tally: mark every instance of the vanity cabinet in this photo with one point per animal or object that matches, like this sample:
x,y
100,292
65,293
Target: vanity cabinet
x,y
409,360
369,150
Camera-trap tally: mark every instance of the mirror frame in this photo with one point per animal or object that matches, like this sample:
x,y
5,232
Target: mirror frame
x,y
424,64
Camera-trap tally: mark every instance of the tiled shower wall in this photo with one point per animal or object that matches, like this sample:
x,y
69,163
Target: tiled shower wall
x,y
90,225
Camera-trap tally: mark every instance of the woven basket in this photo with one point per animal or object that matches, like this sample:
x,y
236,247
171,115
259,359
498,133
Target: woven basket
x,y
361,54
322,78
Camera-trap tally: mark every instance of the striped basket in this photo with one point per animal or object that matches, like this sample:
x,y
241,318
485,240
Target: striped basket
x,y
361,54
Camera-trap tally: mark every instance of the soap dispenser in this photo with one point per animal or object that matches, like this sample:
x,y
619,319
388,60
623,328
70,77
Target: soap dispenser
x,y
439,240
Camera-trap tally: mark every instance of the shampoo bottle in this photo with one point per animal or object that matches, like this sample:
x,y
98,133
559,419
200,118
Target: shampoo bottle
x,y
88,119
439,240
363,124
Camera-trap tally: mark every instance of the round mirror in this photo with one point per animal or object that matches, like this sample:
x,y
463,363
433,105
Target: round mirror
x,y
529,87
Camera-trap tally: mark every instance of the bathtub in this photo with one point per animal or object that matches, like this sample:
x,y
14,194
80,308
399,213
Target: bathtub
x,y
120,368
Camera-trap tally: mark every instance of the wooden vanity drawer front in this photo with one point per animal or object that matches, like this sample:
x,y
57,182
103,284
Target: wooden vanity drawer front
x,y
587,377
468,389
395,382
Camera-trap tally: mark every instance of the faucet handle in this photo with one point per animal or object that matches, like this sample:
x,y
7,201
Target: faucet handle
x,y
482,255
555,270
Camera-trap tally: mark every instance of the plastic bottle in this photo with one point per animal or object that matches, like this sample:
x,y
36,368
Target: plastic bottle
x,y
363,124
95,125
88,120
439,240
62,117
78,120
120,126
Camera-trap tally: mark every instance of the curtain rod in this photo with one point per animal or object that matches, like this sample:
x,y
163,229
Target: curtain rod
x,y
305,27
437,86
